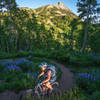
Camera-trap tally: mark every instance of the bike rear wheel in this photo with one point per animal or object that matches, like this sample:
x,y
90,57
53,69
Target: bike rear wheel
x,y
56,89
26,95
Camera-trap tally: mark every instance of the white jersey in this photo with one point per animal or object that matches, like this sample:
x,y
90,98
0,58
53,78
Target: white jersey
x,y
53,71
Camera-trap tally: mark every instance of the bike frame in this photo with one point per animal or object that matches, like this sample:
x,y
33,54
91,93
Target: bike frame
x,y
37,91
39,86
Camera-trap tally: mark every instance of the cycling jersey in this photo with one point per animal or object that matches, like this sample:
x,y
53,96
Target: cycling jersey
x,y
53,73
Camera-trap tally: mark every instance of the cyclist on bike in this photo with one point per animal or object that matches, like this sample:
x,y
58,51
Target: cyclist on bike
x,y
50,75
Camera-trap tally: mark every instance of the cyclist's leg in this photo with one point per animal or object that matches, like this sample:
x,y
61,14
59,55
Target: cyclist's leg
x,y
52,81
48,85
43,87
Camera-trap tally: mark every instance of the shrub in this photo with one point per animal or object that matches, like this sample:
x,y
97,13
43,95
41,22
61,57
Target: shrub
x,y
6,62
13,68
81,60
89,81
96,60
2,68
96,95
2,54
12,82
16,74
2,87
25,64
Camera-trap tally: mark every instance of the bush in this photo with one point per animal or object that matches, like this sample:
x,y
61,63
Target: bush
x,y
13,68
12,82
6,62
61,55
41,53
81,60
96,60
25,64
15,73
96,95
2,87
89,81
2,54
2,68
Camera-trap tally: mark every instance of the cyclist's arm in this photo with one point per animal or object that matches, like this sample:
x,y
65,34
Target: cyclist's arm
x,y
48,77
41,74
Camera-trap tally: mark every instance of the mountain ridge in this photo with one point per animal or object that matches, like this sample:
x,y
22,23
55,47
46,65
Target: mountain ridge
x,y
54,16
59,6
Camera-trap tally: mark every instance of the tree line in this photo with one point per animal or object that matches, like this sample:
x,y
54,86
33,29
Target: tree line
x,y
19,31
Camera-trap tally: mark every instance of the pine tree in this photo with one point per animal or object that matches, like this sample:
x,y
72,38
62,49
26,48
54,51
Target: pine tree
x,y
9,5
88,10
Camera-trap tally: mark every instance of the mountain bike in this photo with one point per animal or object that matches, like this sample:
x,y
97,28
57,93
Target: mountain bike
x,y
37,92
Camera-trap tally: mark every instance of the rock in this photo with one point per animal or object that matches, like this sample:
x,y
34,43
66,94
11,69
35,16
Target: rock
x,y
60,5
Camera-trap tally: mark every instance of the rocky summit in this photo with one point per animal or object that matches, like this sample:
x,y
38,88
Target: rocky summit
x,y
60,5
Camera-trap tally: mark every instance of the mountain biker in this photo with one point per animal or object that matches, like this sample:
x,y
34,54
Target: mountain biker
x,y
50,75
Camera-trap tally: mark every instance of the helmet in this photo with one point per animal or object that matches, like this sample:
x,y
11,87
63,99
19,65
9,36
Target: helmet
x,y
43,64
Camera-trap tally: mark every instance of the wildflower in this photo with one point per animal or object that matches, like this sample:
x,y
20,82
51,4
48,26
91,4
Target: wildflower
x,y
96,58
22,60
6,62
97,76
88,82
88,75
13,68
94,79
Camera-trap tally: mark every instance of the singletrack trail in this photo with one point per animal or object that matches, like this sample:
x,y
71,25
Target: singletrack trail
x,y
66,82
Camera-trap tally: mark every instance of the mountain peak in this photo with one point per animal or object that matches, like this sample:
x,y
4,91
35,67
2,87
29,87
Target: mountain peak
x,y
60,5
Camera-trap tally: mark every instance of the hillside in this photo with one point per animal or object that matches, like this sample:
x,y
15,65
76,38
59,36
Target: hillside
x,y
53,25
55,19
50,27
51,15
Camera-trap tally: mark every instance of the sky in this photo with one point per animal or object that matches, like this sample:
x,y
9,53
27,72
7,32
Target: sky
x,y
71,4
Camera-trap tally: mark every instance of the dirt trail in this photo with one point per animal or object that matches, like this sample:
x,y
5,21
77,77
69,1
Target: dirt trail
x,y
66,82
8,95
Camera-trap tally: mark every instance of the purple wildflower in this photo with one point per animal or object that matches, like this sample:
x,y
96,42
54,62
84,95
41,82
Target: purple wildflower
x,y
96,58
22,60
7,62
13,68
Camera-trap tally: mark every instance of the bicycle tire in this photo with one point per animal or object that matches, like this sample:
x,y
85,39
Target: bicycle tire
x,y
56,88
25,94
